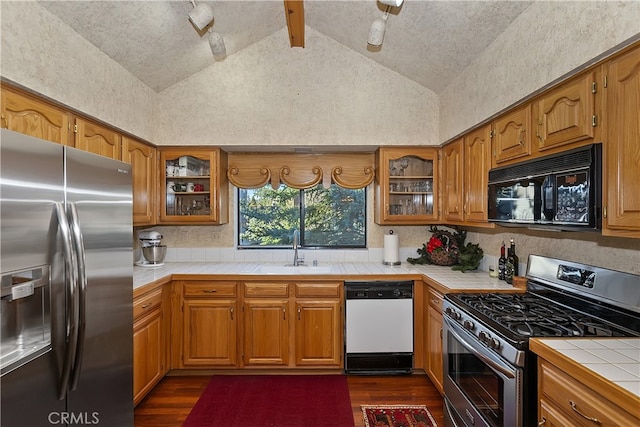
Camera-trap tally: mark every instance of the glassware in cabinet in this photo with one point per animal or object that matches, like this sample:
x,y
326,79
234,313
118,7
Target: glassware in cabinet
x,y
191,186
408,186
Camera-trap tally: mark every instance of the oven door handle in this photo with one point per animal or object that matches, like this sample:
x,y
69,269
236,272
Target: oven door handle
x,y
504,370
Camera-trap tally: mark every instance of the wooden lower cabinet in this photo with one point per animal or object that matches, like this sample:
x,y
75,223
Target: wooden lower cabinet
x,y
564,400
207,334
150,341
550,416
292,325
210,333
434,366
266,332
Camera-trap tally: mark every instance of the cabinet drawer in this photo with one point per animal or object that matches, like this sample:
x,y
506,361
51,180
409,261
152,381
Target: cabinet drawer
x,y
435,300
323,290
266,289
209,290
147,302
577,401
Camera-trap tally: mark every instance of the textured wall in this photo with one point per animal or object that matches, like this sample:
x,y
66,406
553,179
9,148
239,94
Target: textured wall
x,y
47,56
324,94
549,39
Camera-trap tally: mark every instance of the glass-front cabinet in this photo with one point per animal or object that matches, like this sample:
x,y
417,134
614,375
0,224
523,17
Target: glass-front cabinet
x,y
406,185
194,187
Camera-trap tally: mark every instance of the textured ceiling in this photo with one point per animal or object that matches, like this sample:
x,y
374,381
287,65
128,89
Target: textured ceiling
x,y
429,42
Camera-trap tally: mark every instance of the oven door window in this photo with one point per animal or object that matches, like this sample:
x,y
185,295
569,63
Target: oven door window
x,y
479,383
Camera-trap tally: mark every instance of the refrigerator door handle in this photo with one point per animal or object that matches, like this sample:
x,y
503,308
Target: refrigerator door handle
x,y
72,311
82,293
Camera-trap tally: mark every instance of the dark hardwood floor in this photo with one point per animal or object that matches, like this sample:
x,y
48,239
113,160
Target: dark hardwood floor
x,y
170,402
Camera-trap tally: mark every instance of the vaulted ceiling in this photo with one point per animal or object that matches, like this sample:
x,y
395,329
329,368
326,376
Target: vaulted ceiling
x,y
429,42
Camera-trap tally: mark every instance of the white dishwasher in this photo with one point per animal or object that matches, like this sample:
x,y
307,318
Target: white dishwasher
x,y
379,327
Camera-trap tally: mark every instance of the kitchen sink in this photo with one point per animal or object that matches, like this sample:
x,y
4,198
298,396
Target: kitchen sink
x,y
292,269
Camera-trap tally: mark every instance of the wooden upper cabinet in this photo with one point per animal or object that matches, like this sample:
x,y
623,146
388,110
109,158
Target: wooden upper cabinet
x,y
193,185
406,188
452,188
142,158
465,170
27,115
566,114
97,139
621,173
477,162
511,136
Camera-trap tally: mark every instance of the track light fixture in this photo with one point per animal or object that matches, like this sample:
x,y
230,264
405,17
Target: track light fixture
x,y
218,49
379,25
392,3
376,32
201,15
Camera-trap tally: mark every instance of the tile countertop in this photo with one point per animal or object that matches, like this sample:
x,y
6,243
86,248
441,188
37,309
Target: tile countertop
x,y
449,279
616,360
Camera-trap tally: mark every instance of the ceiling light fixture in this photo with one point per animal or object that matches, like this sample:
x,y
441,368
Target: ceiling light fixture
x,y
201,15
216,42
378,27
393,3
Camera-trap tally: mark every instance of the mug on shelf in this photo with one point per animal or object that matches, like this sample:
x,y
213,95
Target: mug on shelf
x,y
179,188
198,187
190,187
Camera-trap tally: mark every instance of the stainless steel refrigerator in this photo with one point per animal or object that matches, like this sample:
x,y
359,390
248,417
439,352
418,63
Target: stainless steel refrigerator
x,y
66,271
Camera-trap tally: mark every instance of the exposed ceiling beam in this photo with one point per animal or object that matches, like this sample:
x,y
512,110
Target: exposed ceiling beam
x,y
294,11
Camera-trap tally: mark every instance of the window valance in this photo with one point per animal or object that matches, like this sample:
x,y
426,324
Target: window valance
x,y
301,170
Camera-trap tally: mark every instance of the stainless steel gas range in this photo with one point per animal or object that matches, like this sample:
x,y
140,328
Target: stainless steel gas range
x,y
489,372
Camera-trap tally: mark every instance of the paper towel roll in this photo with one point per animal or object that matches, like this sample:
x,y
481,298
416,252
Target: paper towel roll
x,y
391,253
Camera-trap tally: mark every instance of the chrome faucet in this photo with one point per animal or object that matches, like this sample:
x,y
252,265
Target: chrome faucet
x,y
296,238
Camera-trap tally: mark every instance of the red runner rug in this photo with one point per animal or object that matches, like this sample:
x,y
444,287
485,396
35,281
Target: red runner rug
x,y
397,416
273,400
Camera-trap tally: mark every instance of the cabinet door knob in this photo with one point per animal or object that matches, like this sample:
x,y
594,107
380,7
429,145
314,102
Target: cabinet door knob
x,y
231,310
209,291
146,305
542,422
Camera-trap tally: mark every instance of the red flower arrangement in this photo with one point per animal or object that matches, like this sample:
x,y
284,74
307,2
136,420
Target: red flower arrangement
x,y
433,244
441,249
447,248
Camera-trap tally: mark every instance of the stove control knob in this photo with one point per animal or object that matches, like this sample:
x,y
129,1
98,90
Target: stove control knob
x,y
468,324
483,336
494,343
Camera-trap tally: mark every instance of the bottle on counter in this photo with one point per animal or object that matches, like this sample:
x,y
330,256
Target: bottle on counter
x,y
501,262
508,268
515,261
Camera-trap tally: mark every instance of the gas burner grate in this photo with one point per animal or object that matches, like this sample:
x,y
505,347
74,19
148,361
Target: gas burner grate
x,y
528,315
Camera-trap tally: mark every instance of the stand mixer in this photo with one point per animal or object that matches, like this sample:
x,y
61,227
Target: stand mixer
x,y
153,252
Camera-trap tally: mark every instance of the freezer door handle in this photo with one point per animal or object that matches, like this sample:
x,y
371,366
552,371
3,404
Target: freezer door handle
x,y
82,292
72,312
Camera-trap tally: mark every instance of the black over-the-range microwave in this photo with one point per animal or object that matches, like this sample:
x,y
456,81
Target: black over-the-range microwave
x,y
560,191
